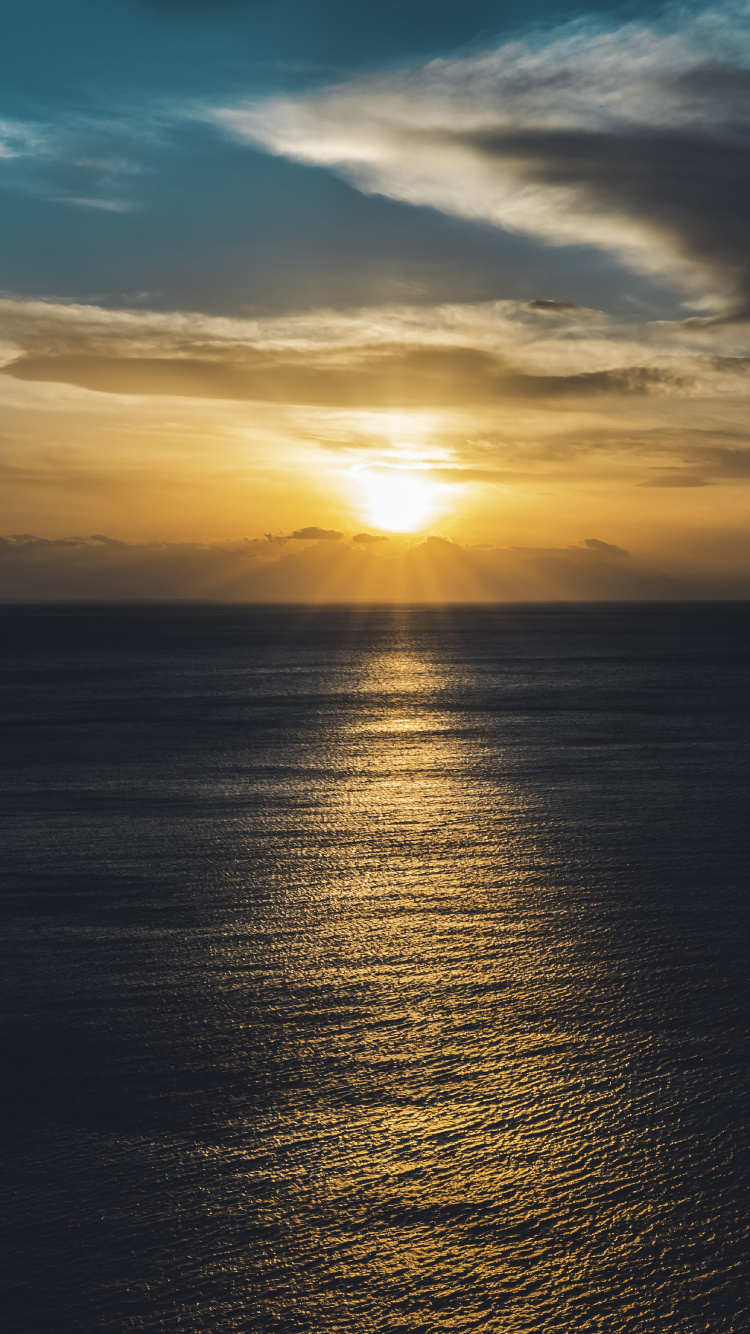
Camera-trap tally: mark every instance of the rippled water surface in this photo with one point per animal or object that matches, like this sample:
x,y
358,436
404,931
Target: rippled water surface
x,y
376,970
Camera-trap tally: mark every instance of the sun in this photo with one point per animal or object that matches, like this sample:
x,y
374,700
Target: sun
x,y
397,500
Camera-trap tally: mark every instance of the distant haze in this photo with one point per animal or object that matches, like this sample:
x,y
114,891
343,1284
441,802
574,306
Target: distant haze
x,y
329,571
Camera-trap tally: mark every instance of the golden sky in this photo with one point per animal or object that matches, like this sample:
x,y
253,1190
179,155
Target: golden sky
x,y
519,430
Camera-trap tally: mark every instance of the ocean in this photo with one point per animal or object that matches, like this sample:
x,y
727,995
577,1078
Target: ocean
x,y
376,969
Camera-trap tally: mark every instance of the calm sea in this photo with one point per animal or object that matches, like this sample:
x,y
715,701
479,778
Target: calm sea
x,y
376,970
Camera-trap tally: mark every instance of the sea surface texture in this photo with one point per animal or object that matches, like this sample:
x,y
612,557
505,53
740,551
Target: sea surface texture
x,y
376,970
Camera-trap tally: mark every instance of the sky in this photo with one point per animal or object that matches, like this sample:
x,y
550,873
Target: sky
x,y
307,301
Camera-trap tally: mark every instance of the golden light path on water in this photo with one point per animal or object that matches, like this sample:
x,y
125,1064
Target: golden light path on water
x,y
452,1140
442,1139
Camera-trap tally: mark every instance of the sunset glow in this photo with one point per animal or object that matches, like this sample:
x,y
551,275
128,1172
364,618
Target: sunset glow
x,y
492,294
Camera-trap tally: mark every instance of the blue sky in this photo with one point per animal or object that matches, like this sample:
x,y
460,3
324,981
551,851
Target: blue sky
x,y
178,215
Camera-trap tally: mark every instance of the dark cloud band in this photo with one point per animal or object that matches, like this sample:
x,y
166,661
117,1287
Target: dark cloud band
x,y
411,378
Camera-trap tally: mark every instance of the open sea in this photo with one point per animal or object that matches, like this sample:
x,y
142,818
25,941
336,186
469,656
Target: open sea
x,y
376,970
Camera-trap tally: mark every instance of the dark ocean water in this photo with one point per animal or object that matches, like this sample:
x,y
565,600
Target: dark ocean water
x,y
374,971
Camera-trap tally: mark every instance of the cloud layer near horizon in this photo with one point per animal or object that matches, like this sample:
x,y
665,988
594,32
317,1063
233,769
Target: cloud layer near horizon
x,y
102,569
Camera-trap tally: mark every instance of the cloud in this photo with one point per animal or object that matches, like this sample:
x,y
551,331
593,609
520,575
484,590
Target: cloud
x,y
554,307
605,550
635,141
105,569
368,539
88,159
107,205
101,568
462,475
20,139
728,463
315,535
403,376
487,394
476,339
675,479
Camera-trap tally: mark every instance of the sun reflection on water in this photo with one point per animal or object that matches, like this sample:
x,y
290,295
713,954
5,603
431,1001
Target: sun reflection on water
x,y
381,1058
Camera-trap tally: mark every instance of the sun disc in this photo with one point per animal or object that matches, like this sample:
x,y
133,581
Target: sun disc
x,y
398,501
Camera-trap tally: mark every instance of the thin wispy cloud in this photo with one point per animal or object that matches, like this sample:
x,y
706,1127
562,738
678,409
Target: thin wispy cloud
x,y
20,139
95,159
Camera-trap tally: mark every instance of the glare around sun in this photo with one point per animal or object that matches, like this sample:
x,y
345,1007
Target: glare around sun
x,y
397,501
